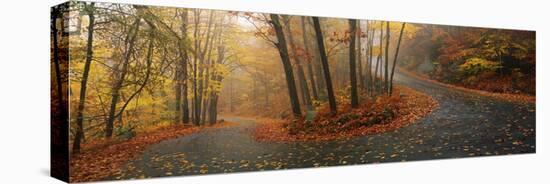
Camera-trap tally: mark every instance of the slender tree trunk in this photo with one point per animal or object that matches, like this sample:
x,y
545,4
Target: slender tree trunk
x,y
369,54
231,107
59,122
201,80
213,109
387,58
283,52
83,84
120,75
178,80
195,113
321,83
378,60
359,58
184,60
352,68
217,77
177,87
185,92
324,62
204,89
395,57
57,67
301,74
204,99
309,60
319,76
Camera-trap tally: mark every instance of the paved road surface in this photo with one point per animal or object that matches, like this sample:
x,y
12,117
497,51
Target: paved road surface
x,y
464,125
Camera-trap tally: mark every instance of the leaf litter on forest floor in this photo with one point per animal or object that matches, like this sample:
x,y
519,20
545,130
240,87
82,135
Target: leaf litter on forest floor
x,y
406,107
104,158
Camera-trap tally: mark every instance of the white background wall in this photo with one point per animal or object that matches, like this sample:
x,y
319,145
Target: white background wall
x,y
24,90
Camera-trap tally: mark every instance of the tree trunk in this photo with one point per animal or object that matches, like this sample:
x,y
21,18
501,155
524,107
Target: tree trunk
x,y
395,57
231,107
301,74
213,106
195,113
177,87
217,77
184,60
59,122
386,58
115,91
201,68
83,84
352,69
309,60
320,82
359,58
324,62
369,54
209,64
283,52
378,60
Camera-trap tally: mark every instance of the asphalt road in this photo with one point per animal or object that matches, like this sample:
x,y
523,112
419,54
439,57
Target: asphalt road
x,y
464,125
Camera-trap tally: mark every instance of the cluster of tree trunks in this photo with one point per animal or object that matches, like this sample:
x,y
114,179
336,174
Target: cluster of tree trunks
x,y
204,69
197,64
59,96
381,80
377,80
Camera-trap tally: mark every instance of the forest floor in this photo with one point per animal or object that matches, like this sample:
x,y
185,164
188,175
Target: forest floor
x,y
102,158
371,117
519,98
465,124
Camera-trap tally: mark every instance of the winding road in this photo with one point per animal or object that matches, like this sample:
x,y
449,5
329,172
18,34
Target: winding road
x,y
464,125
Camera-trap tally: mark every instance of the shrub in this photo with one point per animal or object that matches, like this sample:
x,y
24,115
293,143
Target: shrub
x,y
477,66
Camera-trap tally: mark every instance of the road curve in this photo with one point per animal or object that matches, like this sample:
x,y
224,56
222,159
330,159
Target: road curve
x,y
464,125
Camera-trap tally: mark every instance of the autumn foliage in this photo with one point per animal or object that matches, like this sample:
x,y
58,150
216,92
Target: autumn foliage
x,y
516,98
103,158
125,77
498,61
386,113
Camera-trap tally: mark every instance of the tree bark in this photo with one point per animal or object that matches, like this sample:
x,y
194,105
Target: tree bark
x,y
321,83
205,80
83,84
352,68
395,57
378,58
369,54
195,113
213,106
359,58
184,60
115,91
287,66
177,87
217,77
201,68
301,74
324,62
309,60
386,58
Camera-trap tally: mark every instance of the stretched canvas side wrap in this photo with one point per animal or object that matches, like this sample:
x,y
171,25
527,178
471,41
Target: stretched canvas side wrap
x,y
146,91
